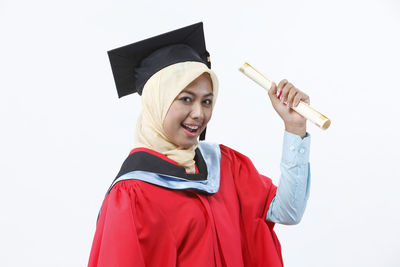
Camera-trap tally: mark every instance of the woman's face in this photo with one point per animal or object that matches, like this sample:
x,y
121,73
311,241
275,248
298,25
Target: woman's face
x,y
190,112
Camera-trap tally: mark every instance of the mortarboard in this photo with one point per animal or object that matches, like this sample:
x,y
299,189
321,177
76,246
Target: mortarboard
x,y
132,65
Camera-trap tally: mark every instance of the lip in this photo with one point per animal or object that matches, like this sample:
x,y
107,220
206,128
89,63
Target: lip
x,y
192,124
189,133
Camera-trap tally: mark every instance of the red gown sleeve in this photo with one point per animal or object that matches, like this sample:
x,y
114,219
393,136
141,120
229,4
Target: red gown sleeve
x,y
255,193
116,241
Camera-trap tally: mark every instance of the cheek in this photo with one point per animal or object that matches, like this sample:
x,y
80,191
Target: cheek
x,y
208,115
178,113
173,118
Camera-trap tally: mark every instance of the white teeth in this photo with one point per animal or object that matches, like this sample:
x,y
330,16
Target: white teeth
x,y
192,127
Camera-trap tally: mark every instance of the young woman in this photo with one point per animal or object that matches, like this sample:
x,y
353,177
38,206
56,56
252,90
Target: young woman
x,y
180,202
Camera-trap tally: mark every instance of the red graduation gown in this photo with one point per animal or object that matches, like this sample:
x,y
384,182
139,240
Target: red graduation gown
x,y
144,225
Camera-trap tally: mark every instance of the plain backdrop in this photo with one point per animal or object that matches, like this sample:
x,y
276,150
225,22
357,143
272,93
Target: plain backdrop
x,y
64,132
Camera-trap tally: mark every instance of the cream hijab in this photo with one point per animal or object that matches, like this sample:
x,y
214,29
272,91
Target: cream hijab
x,y
158,94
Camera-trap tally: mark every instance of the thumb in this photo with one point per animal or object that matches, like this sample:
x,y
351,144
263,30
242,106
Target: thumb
x,y
272,94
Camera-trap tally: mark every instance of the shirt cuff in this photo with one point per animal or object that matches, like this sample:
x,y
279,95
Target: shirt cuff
x,y
295,149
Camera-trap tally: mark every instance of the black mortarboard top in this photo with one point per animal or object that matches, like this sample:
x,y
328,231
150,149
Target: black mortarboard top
x,y
134,64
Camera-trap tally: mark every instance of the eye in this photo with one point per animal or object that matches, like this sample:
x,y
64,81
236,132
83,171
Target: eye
x,y
207,102
185,99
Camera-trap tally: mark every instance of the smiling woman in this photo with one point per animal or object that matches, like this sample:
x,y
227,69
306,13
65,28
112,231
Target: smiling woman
x,y
159,93
180,202
190,112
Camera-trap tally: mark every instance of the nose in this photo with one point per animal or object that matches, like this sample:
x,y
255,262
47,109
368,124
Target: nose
x,y
197,112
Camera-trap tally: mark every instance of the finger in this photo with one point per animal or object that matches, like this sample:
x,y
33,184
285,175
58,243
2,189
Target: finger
x,y
272,94
279,94
301,97
292,93
280,86
282,83
306,98
285,91
273,89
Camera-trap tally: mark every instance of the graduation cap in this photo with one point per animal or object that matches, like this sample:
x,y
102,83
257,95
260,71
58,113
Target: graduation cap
x,y
132,65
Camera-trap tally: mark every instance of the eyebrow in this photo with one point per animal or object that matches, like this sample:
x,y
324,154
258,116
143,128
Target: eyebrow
x,y
193,94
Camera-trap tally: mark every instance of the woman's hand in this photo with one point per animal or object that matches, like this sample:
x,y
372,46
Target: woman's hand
x,y
283,98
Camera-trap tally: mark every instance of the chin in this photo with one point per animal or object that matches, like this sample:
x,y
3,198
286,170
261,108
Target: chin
x,y
182,140
187,143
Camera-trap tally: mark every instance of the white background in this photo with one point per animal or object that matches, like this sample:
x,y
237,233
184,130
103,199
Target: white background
x,y
64,132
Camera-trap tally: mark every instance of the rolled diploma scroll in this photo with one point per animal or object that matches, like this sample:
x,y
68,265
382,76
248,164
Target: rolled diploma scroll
x,y
302,108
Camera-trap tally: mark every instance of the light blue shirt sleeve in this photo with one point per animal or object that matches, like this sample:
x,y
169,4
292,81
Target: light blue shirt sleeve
x,y
290,200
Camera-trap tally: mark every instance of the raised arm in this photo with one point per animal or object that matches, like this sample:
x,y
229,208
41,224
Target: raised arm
x,y
290,201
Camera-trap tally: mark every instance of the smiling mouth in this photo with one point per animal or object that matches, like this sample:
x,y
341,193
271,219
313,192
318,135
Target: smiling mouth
x,y
191,128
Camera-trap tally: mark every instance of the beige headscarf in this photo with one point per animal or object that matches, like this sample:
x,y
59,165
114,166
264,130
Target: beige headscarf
x,y
158,94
